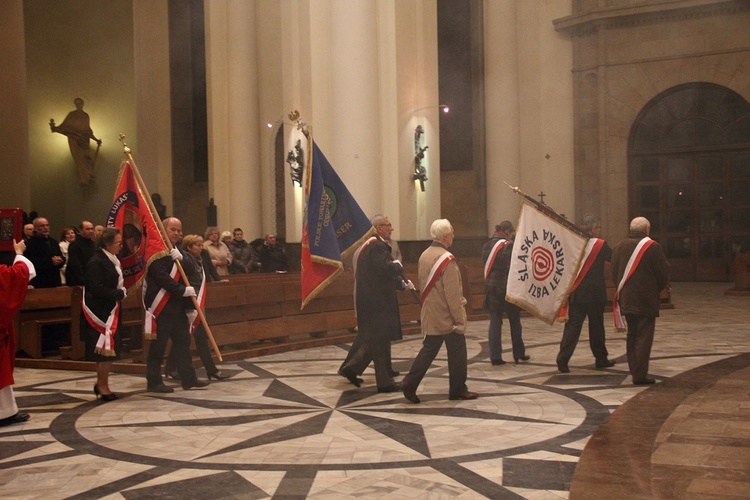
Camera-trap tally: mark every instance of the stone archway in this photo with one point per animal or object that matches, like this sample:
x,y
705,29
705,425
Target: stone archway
x,y
689,174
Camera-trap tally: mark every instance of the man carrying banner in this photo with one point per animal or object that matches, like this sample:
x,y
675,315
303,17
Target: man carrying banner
x,y
641,271
167,303
496,254
378,277
443,315
587,298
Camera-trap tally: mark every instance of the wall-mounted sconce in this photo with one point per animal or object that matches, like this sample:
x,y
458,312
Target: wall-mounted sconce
x,y
443,107
420,172
295,159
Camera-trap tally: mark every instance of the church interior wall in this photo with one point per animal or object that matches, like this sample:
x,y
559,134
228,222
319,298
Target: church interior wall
x,y
81,48
364,82
620,66
152,97
529,107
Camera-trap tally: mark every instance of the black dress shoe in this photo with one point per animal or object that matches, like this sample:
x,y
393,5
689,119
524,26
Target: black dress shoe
x,y
605,363
394,373
464,395
563,368
410,393
197,383
390,388
217,376
160,388
645,381
174,375
497,362
351,377
525,357
14,419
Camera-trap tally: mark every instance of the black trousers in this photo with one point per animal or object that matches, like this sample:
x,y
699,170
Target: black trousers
x,y
369,349
576,314
362,362
639,341
172,327
455,344
204,352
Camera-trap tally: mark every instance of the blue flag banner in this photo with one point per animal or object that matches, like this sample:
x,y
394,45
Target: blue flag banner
x,y
334,226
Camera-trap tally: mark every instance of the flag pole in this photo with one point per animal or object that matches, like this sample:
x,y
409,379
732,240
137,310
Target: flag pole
x,y
167,242
547,210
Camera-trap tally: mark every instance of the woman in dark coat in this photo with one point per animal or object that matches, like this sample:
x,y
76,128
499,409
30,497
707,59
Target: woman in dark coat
x,y
194,264
103,292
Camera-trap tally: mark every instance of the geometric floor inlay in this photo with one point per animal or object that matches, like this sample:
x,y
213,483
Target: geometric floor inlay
x,y
288,425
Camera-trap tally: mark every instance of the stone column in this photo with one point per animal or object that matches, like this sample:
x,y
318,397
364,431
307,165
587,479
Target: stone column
x,y
503,159
233,121
14,152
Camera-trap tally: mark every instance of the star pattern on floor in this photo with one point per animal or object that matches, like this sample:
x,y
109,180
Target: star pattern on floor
x,y
289,425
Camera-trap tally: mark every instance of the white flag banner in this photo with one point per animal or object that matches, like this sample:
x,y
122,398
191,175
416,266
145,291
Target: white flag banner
x,y
544,264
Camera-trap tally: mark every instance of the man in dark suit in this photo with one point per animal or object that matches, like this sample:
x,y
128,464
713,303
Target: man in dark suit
x,y
79,253
172,320
44,252
378,277
588,299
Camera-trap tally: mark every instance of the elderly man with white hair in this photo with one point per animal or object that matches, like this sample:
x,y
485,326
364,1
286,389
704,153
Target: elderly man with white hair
x,y
640,272
443,315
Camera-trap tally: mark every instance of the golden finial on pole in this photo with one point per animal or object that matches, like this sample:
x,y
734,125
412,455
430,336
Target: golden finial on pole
x,y
125,148
295,117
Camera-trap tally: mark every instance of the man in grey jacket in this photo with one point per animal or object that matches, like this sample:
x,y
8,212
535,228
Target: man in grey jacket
x,y
443,315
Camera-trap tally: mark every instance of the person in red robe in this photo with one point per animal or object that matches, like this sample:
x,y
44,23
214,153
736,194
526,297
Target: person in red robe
x,y
14,282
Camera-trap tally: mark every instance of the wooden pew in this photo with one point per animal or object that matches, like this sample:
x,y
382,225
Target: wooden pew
x,y
42,307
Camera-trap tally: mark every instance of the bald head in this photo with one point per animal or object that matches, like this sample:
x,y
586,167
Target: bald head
x,y
640,224
173,227
86,229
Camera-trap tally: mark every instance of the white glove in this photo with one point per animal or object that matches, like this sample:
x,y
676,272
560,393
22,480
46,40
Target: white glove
x,y
410,285
192,314
189,292
398,262
175,254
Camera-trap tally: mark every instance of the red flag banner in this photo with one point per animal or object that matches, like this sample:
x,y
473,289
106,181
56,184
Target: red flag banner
x,y
142,241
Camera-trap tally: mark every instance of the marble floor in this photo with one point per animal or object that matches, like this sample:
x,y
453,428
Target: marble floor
x,y
287,426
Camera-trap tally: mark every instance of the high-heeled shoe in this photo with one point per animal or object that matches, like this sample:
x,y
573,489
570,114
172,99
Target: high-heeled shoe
x,y
105,397
525,357
217,376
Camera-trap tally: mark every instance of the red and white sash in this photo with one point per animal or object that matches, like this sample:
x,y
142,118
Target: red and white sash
x,y
201,301
491,258
435,272
630,268
593,247
154,310
105,343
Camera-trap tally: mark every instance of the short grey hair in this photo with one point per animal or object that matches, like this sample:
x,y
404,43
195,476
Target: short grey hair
x,y
590,221
377,219
440,229
640,224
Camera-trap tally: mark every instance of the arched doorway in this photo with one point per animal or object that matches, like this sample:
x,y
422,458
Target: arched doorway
x,y
689,174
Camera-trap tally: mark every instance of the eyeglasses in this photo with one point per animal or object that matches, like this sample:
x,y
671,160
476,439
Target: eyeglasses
x,y
386,225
